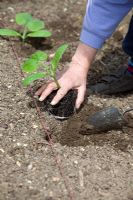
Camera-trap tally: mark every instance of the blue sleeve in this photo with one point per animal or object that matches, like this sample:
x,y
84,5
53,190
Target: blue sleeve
x,y
101,19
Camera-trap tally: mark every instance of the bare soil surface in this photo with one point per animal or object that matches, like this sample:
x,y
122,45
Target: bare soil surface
x,y
96,166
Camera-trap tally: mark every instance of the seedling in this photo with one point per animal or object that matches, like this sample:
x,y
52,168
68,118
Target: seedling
x,y
35,66
32,27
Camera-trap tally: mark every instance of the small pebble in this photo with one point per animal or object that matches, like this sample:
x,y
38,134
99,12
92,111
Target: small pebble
x,y
51,55
46,175
56,179
11,126
25,145
18,164
2,150
22,113
23,134
30,166
9,86
35,126
19,144
65,9
11,20
29,181
11,9
75,162
82,149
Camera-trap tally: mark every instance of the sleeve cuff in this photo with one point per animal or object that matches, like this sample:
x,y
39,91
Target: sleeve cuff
x,y
91,39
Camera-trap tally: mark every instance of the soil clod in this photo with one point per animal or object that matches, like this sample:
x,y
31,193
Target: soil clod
x,y
65,108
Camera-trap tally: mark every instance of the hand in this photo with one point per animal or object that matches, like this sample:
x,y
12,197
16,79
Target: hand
x,y
73,78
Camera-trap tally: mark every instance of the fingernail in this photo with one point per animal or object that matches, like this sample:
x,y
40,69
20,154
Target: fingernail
x,y
53,103
41,99
36,97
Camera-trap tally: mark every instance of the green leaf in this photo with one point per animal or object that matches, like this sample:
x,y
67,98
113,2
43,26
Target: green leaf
x,y
30,65
28,80
39,56
35,25
57,57
8,32
23,18
41,33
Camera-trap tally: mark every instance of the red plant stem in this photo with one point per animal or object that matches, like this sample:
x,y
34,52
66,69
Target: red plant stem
x,y
46,130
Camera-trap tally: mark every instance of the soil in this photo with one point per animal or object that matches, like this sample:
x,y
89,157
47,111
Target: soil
x,y
96,166
64,109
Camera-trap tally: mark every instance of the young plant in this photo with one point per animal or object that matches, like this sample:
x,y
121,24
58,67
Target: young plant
x,y
37,69
32,27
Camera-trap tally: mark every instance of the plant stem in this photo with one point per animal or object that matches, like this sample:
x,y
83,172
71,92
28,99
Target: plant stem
x,y
24,34
57,83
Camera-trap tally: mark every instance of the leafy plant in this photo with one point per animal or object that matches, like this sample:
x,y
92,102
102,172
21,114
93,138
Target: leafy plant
x,y
32,27
36,62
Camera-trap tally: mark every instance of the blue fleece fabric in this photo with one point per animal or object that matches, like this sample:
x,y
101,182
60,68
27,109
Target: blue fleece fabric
x,y
101,19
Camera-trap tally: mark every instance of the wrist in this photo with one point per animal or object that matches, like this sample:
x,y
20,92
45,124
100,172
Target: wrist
x,y
84,55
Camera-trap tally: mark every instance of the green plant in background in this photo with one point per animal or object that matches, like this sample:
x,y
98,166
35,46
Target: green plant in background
x,y
32,27
36,62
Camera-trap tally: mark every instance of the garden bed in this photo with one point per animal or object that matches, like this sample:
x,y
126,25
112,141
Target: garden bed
x,y
97,166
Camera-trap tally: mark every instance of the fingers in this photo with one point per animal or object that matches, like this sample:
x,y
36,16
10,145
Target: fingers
x,y
45,92
60,94
40,90
80,96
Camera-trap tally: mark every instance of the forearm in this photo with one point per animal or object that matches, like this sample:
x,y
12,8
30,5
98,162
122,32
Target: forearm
x,y
101,19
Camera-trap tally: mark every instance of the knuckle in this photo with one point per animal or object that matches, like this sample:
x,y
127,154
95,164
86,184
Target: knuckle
x,y
61,93
51,85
